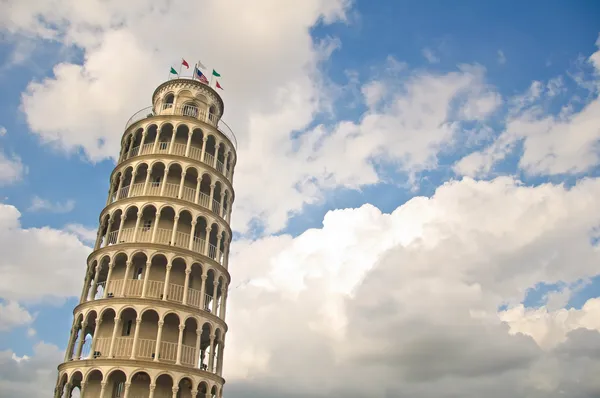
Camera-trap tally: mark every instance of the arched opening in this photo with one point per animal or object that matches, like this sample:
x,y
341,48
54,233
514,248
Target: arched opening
x,y
124,341
213,241
199,241
75,382
184,229
85,352
205,191
209,155
136,140
212,115
157,174
126,233
173,180
195,285
216,204
137,187
221,158
61,384
93,383
169,100
164,386
135,276
176,280
189,184
202,389
146,346
164,138
170,337
185,388
124,190
140,385
188,348
76,339
116,384
196,144
210,289
181,138
146,226
101,344
155,288
113,227
115,285
166,219
151,135
204,347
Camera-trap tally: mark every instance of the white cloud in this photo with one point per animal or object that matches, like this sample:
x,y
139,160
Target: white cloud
x,y
29,376
39,204
11,168
564,143
13,315
84,233
53,270
430,56
409,300
501,57
3,131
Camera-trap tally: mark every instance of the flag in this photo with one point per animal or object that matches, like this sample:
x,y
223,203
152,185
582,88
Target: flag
x,y
219,86
215,73
173,71
201,65
200,75
184,63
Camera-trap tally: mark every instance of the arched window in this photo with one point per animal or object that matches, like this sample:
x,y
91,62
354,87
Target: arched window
x,y
169,101
190,109
212,114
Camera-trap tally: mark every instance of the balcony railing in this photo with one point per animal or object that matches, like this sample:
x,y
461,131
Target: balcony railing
x,y
155,290
163,237
171,191
162,147
145,349
189,111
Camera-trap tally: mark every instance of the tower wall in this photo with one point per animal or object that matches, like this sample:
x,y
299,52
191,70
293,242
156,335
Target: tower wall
x,y
151,317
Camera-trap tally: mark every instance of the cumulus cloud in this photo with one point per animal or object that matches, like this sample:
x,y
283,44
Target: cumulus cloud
x,y
553,144
30,376
11,168
409,300
39,204
53,270
84,233
13,315
407,125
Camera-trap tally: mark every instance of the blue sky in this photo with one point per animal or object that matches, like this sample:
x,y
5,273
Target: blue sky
x,y
506,45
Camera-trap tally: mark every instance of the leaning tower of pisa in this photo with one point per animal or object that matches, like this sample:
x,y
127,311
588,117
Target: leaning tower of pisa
x,y
151,319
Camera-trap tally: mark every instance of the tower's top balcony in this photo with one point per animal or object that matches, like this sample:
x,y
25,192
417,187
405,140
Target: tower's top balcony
x,y
190,98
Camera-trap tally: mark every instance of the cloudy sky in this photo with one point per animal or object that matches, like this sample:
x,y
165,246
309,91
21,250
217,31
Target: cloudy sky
x,y
417,193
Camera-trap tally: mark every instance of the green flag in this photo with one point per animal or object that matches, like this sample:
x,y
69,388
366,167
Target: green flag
x,y
173,71
215,73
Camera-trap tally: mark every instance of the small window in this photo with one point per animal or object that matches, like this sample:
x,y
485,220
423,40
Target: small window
x,y
127,328
138,274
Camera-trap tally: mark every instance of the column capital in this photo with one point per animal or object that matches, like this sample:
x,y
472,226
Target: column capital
x,y
212,336
175,390
169,266
117,319
194,393
199,178
128,263
215,282
181,327
194,222
99,321
161,324
145,132
176,218
152,387
148,263
140,216
213,185
188,271
138,321
199,331
111,265
205,138
183,173
208,228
